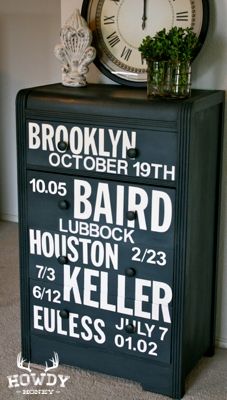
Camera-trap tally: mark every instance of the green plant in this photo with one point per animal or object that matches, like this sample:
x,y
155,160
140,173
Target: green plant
x,y
176,45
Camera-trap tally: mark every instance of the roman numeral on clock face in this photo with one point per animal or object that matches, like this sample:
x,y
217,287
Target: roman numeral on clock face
x,y
182,16
113,39
126,53
142,60
116,2
109,20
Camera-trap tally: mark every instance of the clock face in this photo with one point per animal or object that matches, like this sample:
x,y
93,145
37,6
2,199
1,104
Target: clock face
x,y
119,26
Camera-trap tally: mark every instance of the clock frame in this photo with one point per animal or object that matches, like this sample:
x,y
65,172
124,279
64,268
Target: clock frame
x,y
117,42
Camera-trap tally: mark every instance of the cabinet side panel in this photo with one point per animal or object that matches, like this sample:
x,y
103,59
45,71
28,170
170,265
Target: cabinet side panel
x,y
22,207
202,235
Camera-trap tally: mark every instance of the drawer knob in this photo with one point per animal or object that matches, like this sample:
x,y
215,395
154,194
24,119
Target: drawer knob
x,y
62,260
131,215
130,272
63,204
64,314
132,153
62,146
130,328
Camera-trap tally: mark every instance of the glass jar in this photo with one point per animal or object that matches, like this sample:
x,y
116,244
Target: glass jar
x,y
168,79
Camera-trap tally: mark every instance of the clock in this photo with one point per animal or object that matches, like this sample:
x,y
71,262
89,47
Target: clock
x,y
118,27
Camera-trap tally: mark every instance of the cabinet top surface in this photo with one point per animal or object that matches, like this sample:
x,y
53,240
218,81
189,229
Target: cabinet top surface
x,y
113,100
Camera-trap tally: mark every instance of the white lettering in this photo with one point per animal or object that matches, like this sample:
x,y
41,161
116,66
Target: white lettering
x,y
34,141
157,198
104,205
162,302
88,141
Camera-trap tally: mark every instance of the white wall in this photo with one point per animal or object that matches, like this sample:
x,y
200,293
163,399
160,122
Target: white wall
x,y
29,30
209,72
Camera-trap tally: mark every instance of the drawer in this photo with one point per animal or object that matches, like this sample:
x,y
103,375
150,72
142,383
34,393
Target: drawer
x,y
99,327
131,276
129,261
102,210
134,152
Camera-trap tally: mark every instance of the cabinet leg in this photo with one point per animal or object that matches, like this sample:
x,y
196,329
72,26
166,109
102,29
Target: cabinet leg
x,y
210,351
178,396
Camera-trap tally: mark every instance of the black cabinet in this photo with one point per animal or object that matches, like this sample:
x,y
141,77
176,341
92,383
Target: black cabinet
x,y
118,204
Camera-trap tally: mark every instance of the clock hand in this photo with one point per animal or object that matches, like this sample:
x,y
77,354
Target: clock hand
x,y
144,17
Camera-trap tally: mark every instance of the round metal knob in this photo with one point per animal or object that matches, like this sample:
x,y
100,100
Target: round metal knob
x,y
64,314
132,153
63,204
130,272
130,328
131,215
62,146
62,260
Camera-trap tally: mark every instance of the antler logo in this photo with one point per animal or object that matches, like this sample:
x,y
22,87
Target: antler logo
x,y
55,361
20,363
37,379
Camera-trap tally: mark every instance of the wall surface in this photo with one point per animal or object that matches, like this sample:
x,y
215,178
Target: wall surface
x,y
209,72
29,30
